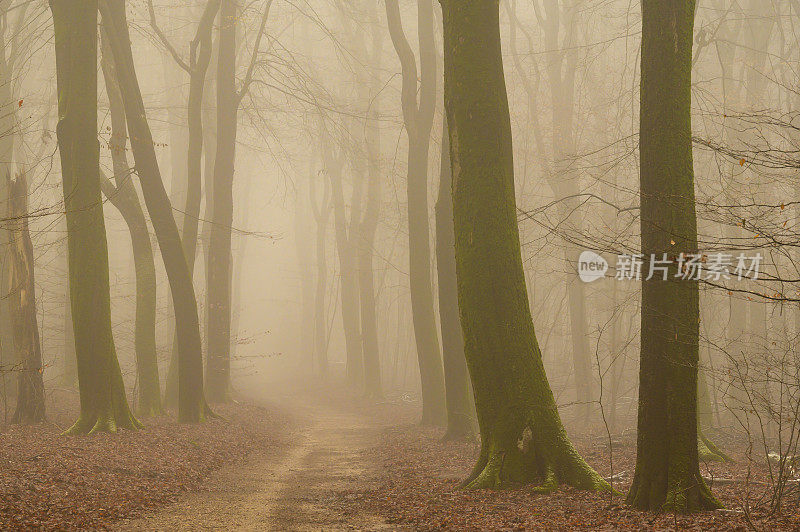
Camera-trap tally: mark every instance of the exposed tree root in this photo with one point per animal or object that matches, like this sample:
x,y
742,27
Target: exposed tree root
x,y
104,422
552,463
708,451
681,495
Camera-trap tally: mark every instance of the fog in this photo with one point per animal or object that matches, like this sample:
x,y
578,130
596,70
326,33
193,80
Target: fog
x,y
327,252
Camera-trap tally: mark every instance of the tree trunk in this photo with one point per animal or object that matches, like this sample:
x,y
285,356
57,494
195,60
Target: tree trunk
x,y
30,387
305,268
124,197
198,64
348,256
667,467
104,406
565,183
418,122
373,386
218,362
366,284
321,216
460,408
522,437
191,402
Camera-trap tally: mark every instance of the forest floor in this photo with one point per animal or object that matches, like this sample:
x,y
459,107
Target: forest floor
x,y
54,482
328,461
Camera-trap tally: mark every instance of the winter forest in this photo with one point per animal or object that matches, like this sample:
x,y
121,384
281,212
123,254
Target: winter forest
x,y
399,264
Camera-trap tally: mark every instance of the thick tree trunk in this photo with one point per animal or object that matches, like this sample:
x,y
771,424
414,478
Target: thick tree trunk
x,y
30,387
522,436
218,361
418,122
191,402
460,408
104,406
667,467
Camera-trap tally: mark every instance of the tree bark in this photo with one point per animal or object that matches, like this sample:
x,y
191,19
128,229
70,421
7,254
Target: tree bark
x,y
522,437
191,402
104,406
667,467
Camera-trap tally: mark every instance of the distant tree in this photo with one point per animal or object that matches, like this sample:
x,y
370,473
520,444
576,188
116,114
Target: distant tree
x,y
667,473
369,93
191,401
104,406
196,66
229,98
122,194
418,118
522,437
322,212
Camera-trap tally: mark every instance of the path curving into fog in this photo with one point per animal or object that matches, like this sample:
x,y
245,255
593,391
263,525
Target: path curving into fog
x,y
294,489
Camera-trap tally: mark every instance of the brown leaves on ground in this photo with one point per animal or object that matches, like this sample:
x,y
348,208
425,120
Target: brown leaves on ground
x,y
421,474
58,482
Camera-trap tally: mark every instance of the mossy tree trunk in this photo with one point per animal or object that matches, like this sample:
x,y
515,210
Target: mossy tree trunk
x,y
122,194
418,119
667,467
104,406
460,408
191,402
522,437
30,388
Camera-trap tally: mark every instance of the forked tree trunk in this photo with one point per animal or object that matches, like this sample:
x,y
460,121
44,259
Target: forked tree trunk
x,y
104,406
122,194
418,118
30,387
460,408
191,402
348,257
522,437
667,467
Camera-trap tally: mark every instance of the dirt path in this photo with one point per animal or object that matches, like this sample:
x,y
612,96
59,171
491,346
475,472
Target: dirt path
x,y
303,488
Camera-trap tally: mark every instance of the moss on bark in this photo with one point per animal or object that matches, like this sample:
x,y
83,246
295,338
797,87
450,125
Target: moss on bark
x,y
667,473
523,439
104,406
